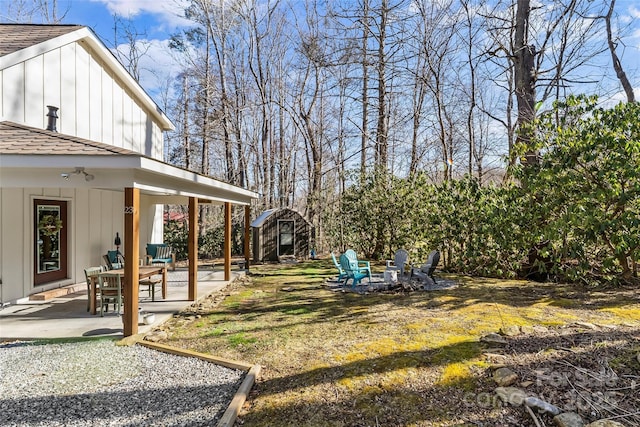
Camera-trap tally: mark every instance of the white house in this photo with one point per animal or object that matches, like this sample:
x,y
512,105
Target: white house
x,y
65,192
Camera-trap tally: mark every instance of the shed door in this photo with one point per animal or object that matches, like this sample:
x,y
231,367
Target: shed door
x,y
50,231
286,238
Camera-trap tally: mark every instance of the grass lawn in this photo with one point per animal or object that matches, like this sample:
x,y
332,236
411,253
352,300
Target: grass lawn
x,y
410,359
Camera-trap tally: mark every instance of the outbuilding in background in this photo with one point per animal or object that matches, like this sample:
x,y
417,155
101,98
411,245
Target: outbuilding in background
x,y
281,234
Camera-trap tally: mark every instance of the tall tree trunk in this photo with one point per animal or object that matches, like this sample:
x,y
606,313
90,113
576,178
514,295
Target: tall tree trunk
x,y
185,124
382,129
524,56
364,141
205,110
617,65
472,89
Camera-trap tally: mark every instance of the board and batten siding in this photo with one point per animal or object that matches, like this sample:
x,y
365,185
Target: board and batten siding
x,y
94,217
93,104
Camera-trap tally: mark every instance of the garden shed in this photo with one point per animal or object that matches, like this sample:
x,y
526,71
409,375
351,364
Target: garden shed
x,y
279,233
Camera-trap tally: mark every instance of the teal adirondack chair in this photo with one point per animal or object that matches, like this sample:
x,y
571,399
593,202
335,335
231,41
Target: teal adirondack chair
x,y
341,272
353,270
360,265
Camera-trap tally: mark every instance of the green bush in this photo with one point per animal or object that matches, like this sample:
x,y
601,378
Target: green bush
x,y
210,245
573,217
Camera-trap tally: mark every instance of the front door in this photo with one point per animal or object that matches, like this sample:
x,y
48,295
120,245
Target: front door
x,y
285,237
50,231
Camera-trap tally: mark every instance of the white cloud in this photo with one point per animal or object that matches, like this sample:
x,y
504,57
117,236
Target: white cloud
x,y
168,11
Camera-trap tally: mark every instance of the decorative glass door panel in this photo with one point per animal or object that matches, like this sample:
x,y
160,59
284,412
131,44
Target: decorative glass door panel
x,y
50,262
285,237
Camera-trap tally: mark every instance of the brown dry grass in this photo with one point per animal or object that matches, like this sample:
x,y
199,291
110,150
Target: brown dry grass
x,y
405,359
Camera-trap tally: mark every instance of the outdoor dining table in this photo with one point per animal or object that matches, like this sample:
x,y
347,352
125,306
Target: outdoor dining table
x,y
144,272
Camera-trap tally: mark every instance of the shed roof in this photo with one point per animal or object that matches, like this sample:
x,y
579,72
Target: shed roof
x,y
260,220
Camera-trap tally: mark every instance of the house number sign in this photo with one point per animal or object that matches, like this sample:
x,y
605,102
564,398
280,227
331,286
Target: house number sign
x,y
129,210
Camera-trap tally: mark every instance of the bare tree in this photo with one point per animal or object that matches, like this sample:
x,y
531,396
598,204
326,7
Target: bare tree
x,y
617,65
42,11
129,45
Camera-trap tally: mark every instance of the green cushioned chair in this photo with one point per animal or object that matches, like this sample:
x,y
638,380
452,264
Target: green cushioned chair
x,y
161,253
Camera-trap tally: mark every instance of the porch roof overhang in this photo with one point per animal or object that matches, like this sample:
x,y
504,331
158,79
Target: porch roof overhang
x,y
27,164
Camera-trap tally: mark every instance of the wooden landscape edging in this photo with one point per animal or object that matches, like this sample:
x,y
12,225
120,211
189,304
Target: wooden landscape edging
x,y
233,410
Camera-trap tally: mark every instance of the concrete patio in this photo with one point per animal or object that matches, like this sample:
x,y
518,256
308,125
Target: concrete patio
x,y
67,317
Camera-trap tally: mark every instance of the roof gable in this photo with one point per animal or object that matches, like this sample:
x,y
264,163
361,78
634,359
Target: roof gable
x,y
16,37
31,41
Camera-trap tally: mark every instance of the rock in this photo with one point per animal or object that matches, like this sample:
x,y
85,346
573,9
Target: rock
x,y
541,405
526,384
510,331
504,377
511,395
493,339
587,325
527,330
156,336
605,423
287,289
568,419
540,329
607,326
490,355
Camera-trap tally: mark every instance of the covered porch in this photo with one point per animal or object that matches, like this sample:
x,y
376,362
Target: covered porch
x,y
67,316
105,189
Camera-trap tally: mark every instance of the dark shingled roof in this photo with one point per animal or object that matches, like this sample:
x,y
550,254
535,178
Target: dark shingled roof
x,y
27,140
14,37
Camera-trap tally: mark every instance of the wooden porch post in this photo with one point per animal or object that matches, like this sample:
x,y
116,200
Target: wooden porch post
x,y
227,241
132,251
193,248
247,226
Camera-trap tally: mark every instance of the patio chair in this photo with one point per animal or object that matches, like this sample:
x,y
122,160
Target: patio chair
x,y
360,265
110,291
113,260
150,283
398,262
161,253
353,271
425,272
341,273
88,274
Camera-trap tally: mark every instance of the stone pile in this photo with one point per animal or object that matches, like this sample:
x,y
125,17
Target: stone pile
x,y
512,392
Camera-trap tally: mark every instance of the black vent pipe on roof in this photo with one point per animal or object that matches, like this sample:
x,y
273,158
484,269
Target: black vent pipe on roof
x,y
52,114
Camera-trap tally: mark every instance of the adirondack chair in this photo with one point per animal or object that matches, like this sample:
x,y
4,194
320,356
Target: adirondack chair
x,y
353,270
341,272
360,265
398,262
425,272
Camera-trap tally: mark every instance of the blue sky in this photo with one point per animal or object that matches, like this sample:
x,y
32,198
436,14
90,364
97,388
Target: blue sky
x,y
158,19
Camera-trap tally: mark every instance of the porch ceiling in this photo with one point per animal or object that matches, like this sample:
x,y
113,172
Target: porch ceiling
x,y
32,157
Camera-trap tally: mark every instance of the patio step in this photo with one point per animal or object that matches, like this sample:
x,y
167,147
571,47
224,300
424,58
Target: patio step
x,y
58,292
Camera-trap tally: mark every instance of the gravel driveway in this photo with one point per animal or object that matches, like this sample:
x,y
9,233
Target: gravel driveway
x,y
97,383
